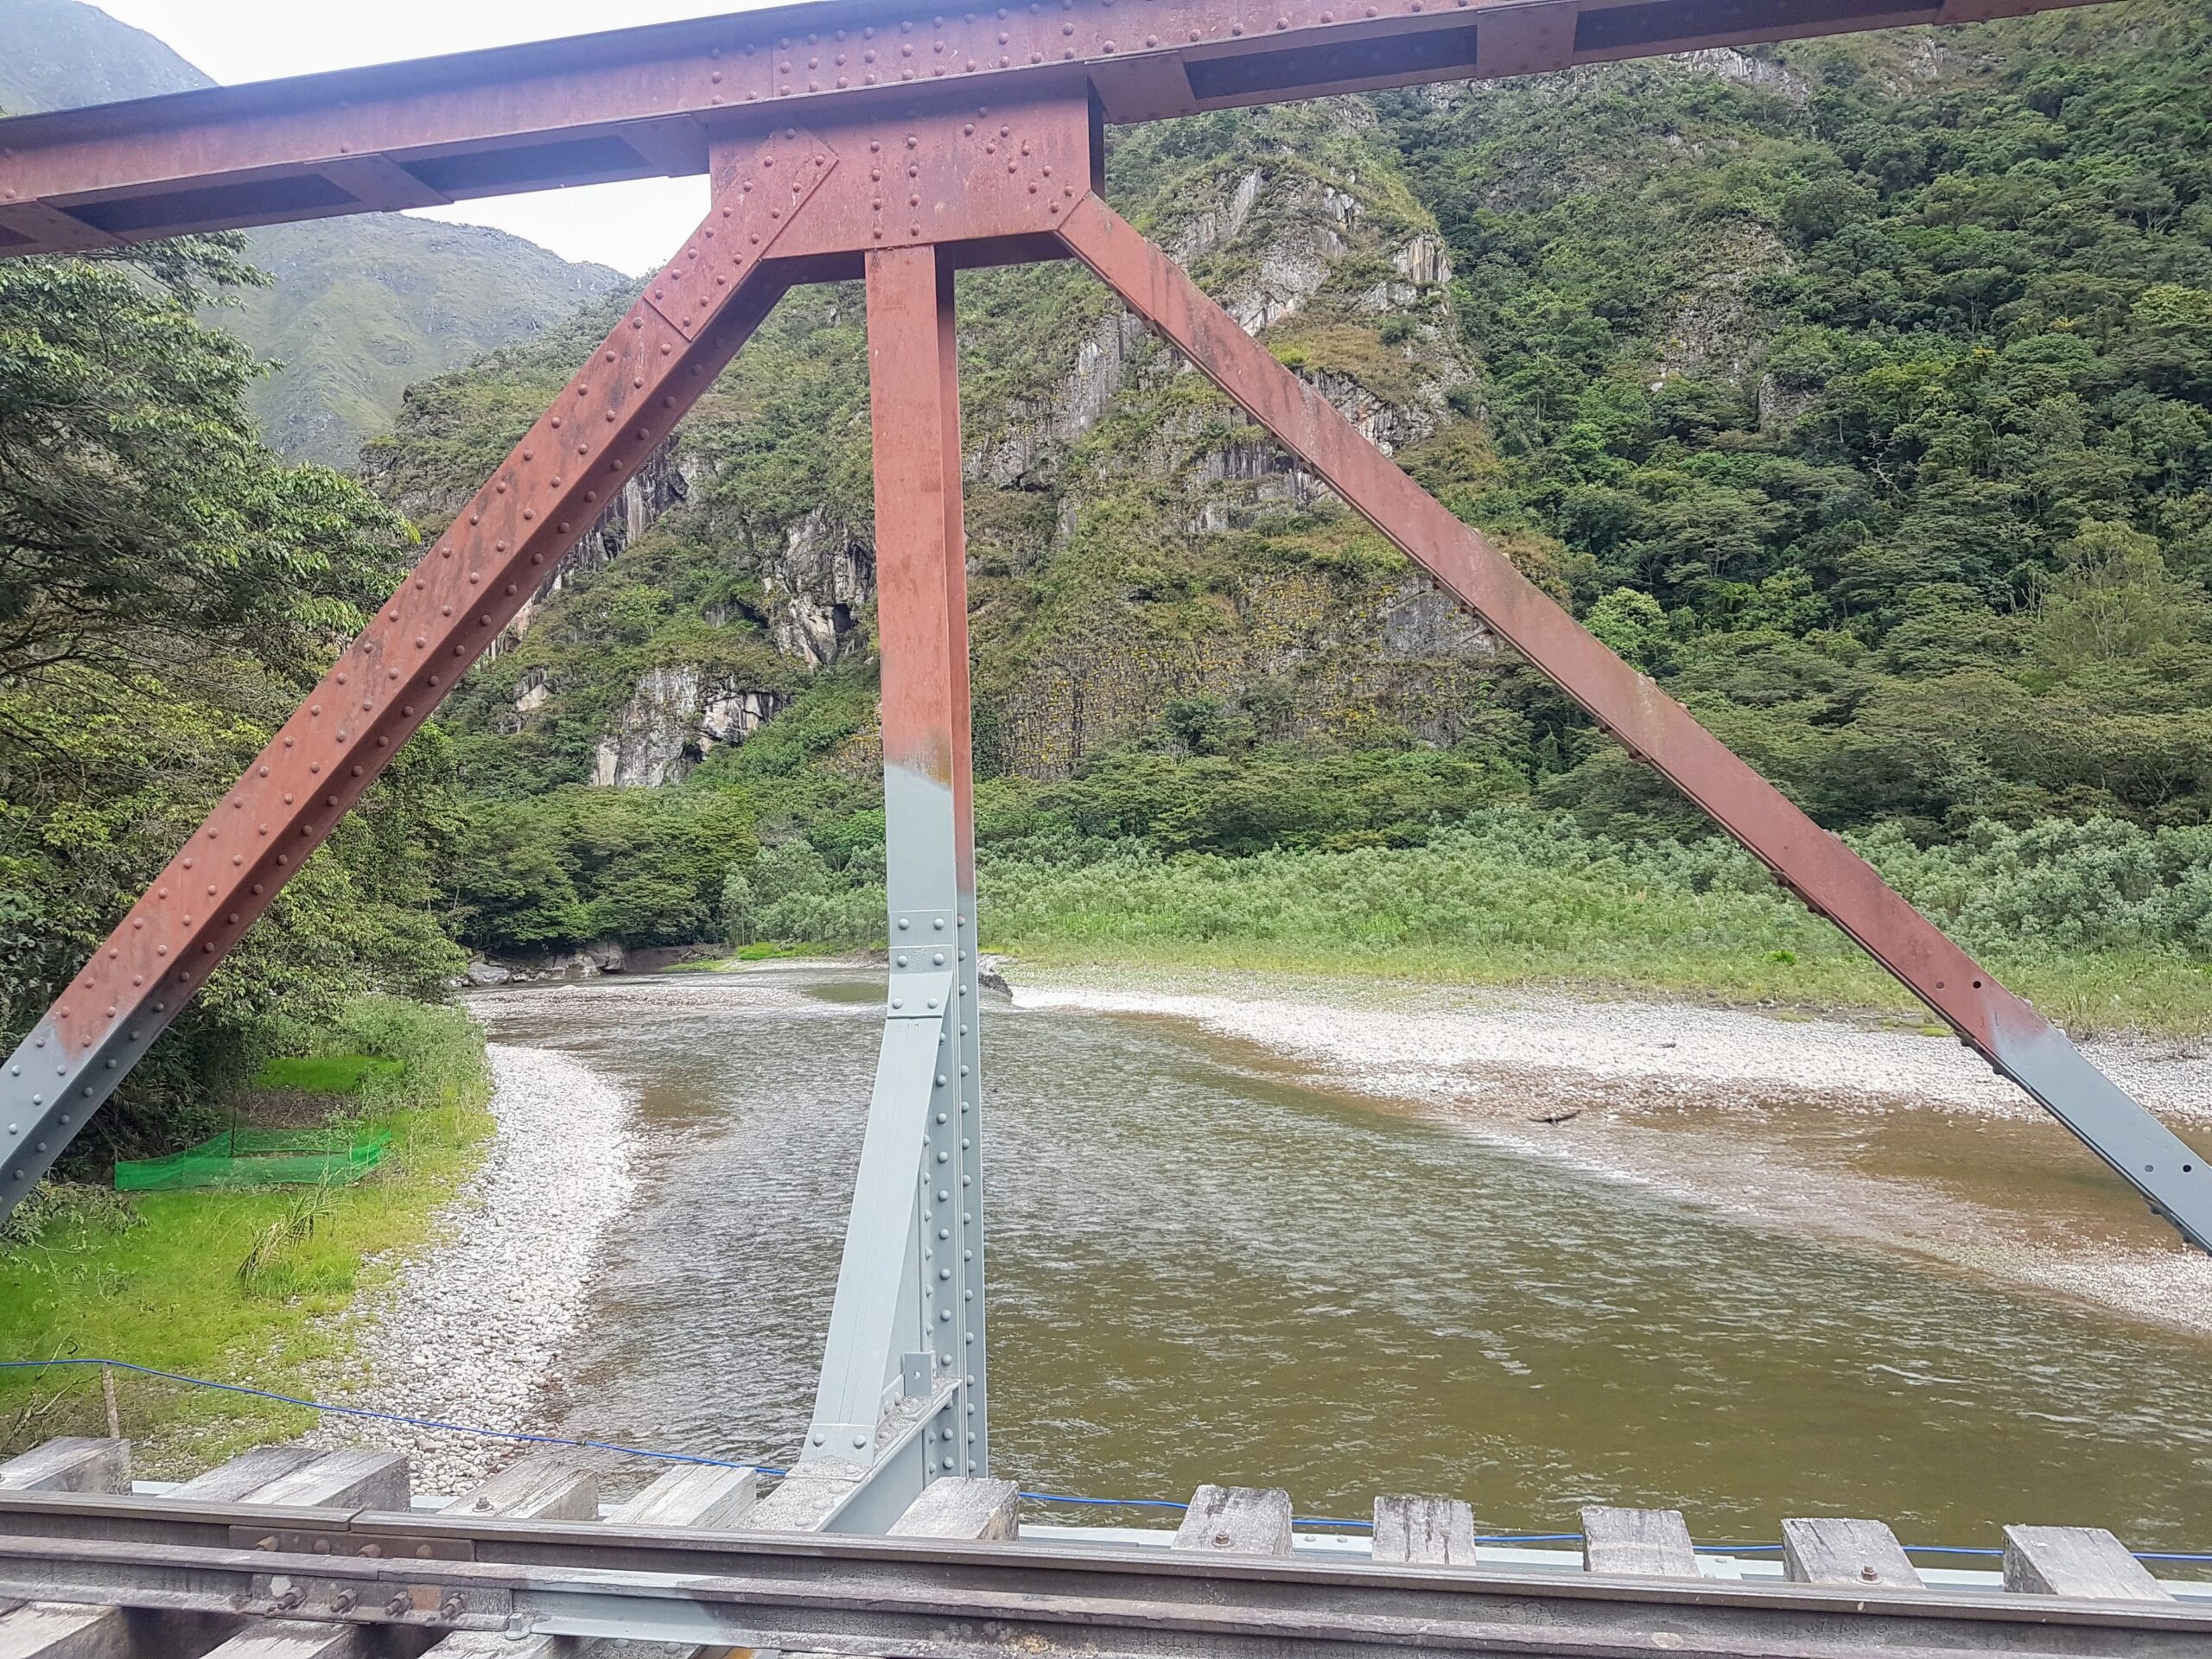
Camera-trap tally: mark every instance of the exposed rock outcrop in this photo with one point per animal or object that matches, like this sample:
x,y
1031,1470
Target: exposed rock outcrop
x,y
661,483
1721,328
1756,69
675,718
817,588
1424,623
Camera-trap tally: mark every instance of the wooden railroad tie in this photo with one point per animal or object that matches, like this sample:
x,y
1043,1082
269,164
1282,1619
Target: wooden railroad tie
x,y
373,1488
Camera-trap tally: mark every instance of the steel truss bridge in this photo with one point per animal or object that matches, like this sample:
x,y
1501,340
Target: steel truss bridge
x,y
897,144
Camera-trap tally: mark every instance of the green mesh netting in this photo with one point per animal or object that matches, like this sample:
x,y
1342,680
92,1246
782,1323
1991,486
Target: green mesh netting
x,y
259,1158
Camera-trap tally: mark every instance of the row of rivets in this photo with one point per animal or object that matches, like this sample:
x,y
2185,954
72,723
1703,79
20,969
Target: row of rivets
x,y
797,66
366,652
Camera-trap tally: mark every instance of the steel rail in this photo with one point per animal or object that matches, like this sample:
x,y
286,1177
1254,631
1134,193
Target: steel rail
x,y
852,1595
641,102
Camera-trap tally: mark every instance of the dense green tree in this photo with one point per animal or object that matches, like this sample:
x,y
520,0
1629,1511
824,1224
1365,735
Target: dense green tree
x,y
168,591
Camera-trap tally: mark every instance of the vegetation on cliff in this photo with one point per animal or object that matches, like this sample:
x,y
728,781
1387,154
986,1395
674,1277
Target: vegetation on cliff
x,y
1859,391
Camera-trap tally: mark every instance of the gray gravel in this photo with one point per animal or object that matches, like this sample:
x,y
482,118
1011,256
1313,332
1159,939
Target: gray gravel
x,y
473,1330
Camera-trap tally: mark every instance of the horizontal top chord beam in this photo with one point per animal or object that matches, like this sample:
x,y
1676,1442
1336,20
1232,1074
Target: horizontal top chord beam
x,y
636,102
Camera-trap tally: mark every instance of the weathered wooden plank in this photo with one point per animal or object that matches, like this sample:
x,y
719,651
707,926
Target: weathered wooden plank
x,y
1440,1531
232,1482
2077,1561
288,1475
295,1639
1640,1543
688,1495
961,1507
1845,1552
355,1477
952,1508
72,1463
693,1495
545,1488
536,1489
42,1630
1244,1520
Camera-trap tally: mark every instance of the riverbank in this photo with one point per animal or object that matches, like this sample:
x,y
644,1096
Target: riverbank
x,y
242,1285
1763,962
1322,1207
2098,923
1882,1135
475,1329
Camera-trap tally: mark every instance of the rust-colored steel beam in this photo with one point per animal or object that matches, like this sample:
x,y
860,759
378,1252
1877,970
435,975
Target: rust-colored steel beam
x,y
1832,879
936,178
620,407
921,562
642,102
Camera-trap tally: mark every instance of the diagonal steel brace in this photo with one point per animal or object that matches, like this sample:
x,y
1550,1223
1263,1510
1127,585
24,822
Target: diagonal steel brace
x,y
609,419
1832,880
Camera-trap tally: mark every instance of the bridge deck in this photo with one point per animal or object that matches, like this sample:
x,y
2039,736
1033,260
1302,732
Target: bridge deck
x,y
286,1551
636,102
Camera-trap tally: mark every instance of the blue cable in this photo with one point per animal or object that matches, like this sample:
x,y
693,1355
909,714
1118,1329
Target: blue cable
x,y
1034,1497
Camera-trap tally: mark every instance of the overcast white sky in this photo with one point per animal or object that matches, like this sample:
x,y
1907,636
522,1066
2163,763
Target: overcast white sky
x,y
631,226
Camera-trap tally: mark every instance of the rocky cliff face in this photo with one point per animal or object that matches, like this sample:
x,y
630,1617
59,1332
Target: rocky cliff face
x,y
1134,539
1091,448
672,721
818,589
658,488
1187,557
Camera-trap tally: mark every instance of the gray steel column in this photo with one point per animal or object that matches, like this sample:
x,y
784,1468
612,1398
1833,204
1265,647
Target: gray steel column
x,y
907,1326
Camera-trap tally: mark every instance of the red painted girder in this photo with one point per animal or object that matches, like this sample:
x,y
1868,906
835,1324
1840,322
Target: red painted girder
x,y
1832,879
921,544
616,411
640,102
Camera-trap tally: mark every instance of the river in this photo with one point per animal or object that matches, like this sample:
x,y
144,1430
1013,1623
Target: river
x,y
1215,1257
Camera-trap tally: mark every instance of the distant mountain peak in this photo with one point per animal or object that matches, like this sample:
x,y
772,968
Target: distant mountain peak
x,y
362,307
62,53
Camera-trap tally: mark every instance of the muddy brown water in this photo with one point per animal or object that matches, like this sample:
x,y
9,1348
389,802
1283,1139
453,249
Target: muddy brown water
x,y
1203,1267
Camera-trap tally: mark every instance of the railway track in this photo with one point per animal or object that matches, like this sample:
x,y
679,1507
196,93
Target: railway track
x,y
288,1552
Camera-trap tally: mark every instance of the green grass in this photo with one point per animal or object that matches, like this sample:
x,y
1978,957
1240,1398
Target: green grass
x,y
325,1074
760,950
2103,994
239,1286
1515,901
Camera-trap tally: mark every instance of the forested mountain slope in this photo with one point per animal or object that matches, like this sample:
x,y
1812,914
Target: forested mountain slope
x,y
360,307
1860,390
